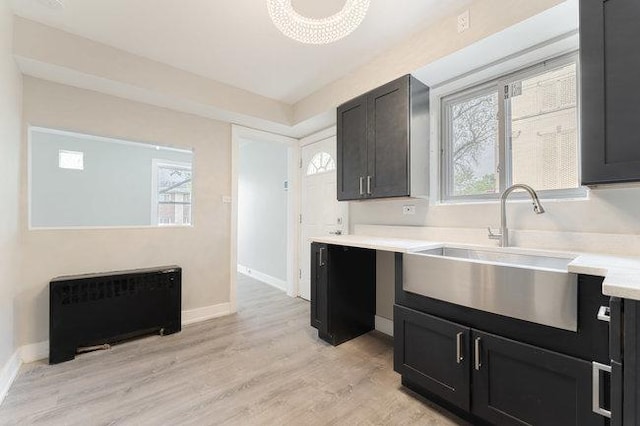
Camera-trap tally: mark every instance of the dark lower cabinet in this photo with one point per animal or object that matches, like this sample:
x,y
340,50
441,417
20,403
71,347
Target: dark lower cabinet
x,y
519,384
433,353
319,288
343,291
494,379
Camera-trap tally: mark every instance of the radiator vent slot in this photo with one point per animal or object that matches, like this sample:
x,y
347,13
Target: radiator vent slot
x,y
106,288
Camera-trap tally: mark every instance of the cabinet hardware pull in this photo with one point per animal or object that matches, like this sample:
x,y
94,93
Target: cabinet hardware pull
x,y
361,185
478,363
320,255
604,314
369,185
459,356
595,388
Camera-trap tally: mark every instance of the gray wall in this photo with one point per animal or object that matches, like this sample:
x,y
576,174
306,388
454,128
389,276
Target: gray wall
x,y
114,189
262,208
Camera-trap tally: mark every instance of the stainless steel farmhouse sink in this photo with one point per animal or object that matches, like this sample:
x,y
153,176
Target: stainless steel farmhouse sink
x,y
533,288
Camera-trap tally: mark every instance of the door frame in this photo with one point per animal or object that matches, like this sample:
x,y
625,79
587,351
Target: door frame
x,y
239,133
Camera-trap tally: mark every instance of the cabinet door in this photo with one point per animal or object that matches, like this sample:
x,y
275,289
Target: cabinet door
x,y
515,384
388,148
319,288
610,62
352,149
432,353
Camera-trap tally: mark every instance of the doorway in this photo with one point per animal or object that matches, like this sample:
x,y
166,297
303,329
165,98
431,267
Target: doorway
x,y
264,215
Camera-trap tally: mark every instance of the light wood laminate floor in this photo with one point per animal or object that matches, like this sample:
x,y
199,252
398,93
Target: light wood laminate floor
x,y
263,365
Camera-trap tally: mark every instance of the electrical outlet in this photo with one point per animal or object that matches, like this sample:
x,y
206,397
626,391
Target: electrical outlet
x,y
408,210
463,21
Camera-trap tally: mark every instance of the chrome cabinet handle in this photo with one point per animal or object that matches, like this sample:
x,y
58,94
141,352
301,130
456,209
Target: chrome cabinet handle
x,y
595,388
478,363
459,356
604,314
361,185
321,257
369,185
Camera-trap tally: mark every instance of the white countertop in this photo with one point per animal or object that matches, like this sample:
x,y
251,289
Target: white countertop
x,y
621,274
377,243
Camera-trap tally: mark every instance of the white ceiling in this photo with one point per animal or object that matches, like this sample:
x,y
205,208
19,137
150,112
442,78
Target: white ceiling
x,y
234,41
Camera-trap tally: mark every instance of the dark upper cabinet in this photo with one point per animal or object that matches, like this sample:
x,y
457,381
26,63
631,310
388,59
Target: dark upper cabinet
x,y
383,142
516,384
352,148
610,62
433,354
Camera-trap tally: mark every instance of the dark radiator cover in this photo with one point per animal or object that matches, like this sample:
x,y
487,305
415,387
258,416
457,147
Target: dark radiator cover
x,y
93,309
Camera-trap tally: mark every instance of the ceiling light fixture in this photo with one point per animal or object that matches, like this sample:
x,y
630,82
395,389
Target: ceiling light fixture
x,y
317,31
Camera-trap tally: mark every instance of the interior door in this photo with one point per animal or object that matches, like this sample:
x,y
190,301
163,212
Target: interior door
x,y
321,213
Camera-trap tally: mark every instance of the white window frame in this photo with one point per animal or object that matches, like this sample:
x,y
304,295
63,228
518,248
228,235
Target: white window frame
x,y
504,144
156,163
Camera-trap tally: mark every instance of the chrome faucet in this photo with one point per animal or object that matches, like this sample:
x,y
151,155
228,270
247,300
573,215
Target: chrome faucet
x,y
503,236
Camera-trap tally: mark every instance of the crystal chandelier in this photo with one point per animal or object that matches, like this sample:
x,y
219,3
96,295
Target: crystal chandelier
x,y
317,31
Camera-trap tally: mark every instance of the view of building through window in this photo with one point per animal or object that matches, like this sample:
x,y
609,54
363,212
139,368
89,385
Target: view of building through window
x,y
544,130
174,194
540,144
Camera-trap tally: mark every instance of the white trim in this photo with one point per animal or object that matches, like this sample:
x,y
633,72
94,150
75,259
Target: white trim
x,y
384,325
34,352
205,313
90,228
37,351
319,136
265,278
239,133
8,374
149,145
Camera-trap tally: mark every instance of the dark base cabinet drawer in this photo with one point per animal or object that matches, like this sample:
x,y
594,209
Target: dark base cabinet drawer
x,y
516,383
433,354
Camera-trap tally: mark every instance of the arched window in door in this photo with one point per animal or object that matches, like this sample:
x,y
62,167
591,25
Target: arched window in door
x,y
322,162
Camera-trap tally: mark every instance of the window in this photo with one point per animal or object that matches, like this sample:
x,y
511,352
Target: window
x,y
320,163
116,187
171,193
521,128
73,160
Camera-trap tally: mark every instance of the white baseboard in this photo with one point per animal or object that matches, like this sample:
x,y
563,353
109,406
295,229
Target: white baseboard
x,y
267,279
205,313
8,374
37,351
384,325
34,352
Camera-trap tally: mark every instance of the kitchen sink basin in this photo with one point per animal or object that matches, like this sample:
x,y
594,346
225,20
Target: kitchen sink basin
x,y
512,259
534,288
